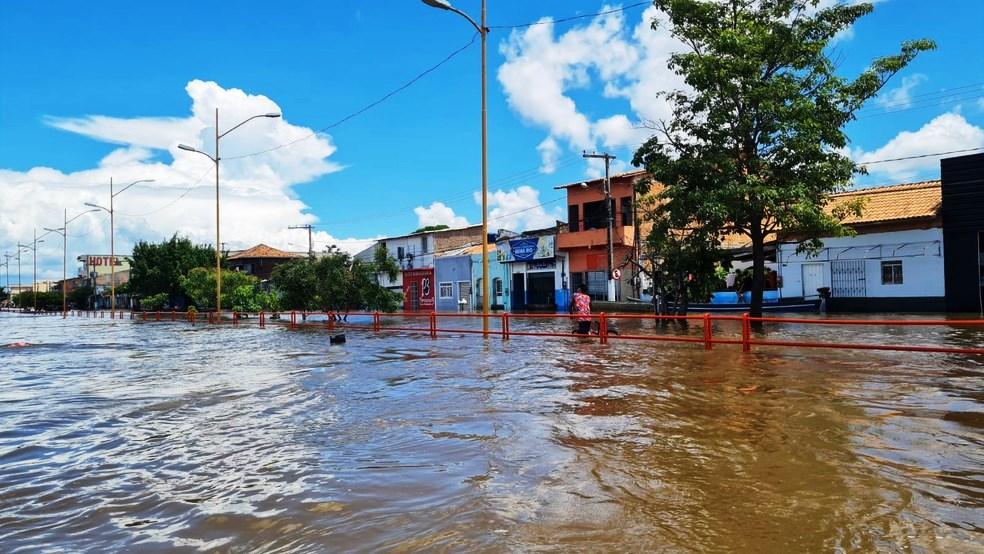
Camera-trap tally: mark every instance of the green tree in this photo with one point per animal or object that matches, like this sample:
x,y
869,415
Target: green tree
x,y
80,296
159,268
240,291
681,257
754,146
51,301
336,283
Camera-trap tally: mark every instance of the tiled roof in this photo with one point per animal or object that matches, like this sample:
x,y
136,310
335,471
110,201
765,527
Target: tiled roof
x,y
633,173
893,202
262,251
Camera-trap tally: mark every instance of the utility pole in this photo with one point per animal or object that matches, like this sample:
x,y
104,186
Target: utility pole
x,y
608,210
310,239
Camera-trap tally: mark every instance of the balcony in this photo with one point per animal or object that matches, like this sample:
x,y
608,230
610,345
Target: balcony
x,y
622,235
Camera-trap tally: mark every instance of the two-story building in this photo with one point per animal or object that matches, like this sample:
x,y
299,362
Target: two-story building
x,y
415,253
585,241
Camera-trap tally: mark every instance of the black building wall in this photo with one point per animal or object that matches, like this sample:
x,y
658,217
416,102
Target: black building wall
x,y
963,220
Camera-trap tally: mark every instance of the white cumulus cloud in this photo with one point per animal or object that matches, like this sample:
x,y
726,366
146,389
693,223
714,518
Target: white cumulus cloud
x,y
901,96
438,214
947,132
257,197
520,209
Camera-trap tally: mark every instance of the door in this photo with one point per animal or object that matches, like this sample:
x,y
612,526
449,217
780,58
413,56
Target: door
x,y
414,297
519,291
541,290
812,279
847,279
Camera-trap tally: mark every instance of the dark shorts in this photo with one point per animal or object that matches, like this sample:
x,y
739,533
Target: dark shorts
x,y
583,327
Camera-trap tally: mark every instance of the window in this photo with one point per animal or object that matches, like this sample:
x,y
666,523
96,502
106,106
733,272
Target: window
x,y
400,253
892,272
497,287
446,290
464,289
423,244
595,216
573,217
627,210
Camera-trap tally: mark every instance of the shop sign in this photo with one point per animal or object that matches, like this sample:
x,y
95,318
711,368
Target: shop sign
x,y
538,266
524,250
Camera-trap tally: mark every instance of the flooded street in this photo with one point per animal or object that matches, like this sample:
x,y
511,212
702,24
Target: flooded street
x,y
121,435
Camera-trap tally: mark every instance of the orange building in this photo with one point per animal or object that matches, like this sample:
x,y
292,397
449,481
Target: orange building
x,y
586,242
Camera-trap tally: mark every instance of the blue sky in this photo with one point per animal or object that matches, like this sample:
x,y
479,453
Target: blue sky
x,y
553,90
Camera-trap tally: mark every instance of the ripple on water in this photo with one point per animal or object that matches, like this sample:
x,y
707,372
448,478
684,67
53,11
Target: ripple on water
x,y
120,435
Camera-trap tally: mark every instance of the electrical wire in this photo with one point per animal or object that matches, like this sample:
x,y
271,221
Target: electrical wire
x,y
367,107
571,18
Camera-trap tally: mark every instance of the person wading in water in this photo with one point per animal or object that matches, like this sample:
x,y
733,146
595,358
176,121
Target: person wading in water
x,y
581,305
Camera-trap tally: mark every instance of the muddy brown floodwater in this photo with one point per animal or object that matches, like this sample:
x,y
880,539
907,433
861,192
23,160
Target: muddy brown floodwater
x,y
120,435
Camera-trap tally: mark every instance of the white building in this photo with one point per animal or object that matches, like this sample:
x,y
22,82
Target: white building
x,y
893,263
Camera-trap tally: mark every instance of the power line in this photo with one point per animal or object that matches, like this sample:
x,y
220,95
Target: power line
x,y
367,107
922,156
571,18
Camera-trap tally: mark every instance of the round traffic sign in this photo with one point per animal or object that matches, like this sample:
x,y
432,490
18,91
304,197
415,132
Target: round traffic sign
x,y
616,274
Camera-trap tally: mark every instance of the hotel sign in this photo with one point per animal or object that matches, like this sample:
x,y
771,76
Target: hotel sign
x,y
103,265
524,250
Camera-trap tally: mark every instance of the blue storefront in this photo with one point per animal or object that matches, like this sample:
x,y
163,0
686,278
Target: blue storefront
x,y
537,273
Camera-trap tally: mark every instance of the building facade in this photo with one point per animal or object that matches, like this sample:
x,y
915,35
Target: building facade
x,y
537,271
416,254
260,260
585,241
893,263
963,232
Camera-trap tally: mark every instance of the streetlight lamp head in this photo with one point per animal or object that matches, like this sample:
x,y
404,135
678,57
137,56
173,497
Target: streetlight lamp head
x,y
271,114
441,4
186,147
583,185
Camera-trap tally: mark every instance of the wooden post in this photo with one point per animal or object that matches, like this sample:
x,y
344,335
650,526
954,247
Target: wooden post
x,y
603,327
375,321
433,325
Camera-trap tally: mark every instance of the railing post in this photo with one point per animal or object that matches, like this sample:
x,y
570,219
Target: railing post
x,y
190,317
158,315
293,319
505,326
708,338
235,318
603,327
433,325
375,321
330,322
174,316
262,319
746,333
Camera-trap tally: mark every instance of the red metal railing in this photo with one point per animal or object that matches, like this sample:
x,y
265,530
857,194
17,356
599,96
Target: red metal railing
x,y
748,331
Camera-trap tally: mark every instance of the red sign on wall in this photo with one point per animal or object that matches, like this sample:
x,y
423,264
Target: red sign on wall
x,y
418,290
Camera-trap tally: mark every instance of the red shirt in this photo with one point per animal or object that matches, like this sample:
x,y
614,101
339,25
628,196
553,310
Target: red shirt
x,y
582,306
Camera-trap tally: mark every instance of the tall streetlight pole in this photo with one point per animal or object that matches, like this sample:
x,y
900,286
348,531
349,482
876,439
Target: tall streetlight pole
x,y
484,31
63,231
34,285
112,239
610,216
7,263
215,160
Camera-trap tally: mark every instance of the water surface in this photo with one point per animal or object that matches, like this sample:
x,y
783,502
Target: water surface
x,y
121,435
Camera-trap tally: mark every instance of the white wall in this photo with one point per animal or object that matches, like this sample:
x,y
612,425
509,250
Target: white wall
x,y
919,250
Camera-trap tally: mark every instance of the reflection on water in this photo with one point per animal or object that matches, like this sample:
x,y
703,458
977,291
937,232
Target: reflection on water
x,y
162,437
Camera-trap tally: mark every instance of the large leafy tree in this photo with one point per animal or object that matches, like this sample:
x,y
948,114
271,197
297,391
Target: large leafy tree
x,y
159,268
240,291
337,283
753,147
